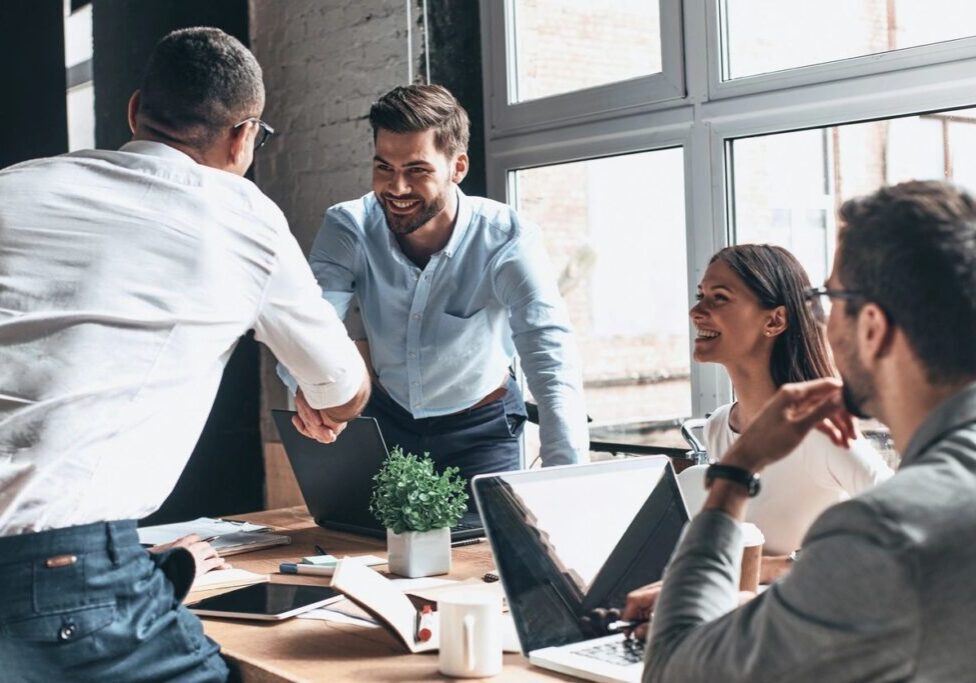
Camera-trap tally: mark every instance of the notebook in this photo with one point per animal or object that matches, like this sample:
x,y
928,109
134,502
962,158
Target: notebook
x,y
336,479
569,539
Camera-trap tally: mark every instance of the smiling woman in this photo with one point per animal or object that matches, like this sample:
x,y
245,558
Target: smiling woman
x,y
752,318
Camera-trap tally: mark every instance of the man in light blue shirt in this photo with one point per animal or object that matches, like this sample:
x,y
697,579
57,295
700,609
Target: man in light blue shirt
x,y
449,288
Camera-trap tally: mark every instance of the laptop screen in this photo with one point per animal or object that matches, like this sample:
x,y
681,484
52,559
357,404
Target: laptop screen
x,y
570,539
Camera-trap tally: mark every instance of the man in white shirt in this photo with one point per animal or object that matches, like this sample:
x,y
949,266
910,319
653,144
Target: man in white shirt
x,y
126,279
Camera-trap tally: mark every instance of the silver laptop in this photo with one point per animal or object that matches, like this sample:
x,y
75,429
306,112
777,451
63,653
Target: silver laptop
x,y
570,539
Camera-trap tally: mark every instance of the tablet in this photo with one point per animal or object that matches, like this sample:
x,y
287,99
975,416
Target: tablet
x,y
269,601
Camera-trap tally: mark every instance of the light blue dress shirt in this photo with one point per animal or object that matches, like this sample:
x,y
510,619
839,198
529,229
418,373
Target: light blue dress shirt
x,y
443,336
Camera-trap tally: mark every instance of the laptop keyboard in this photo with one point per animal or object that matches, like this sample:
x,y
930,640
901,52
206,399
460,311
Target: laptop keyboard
x,y
621,652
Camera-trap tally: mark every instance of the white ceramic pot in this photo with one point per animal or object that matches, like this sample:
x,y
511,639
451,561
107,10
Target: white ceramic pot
x,y
419,553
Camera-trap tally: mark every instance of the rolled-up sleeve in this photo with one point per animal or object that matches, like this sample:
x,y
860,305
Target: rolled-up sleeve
x,y
306,335
852,592
334,257
544,339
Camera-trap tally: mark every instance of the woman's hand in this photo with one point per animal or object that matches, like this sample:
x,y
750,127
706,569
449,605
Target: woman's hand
x,y
774,567
205,557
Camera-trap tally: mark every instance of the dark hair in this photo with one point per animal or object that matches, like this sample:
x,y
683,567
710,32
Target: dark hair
x,y
414,108
777,279
911,248
198,82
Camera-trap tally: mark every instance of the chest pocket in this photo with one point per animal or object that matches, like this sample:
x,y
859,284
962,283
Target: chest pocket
x,y
459,336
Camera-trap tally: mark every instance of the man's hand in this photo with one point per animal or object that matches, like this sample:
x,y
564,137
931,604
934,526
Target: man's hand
x,y
316,424
640,606
789,416
204,556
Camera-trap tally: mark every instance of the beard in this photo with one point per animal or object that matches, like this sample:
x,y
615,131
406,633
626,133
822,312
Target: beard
x,y
401,225
858,387
853,402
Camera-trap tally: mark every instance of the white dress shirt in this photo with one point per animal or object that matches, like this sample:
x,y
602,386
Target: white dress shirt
x,y
796,489
126,279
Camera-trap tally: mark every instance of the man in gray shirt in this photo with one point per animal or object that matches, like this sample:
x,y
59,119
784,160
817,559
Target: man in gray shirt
x,y
883,589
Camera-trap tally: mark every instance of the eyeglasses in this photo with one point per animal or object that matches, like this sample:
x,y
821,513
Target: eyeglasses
x,y
266,131
814,294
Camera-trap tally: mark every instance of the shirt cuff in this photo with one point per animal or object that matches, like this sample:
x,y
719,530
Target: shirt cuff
x,y
287,378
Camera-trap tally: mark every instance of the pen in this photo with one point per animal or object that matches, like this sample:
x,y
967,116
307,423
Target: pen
x,y
316,570
623,625
425,624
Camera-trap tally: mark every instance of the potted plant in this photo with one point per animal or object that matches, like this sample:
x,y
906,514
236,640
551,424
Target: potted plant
x,y
418,507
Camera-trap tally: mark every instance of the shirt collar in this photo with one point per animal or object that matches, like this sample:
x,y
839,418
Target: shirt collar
x,y
460,224
954,412
155,149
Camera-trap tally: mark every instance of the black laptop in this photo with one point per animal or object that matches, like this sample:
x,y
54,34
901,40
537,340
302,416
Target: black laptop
x,y
336,479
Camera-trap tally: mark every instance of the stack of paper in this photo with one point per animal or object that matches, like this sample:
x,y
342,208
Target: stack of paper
x,y
204,527
227,537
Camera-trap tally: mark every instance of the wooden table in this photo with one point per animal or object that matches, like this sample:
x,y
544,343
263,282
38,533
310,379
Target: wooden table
x,y
313,650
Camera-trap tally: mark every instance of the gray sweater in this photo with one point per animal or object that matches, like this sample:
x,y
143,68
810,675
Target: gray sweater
x,y
885,589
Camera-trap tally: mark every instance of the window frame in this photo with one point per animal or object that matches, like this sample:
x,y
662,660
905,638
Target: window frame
x,y
705,120
608,100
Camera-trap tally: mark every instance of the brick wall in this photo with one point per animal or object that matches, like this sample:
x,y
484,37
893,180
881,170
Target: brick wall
x,y
324,64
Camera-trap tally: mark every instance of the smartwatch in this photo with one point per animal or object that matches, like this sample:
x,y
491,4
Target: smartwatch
x,y
734,474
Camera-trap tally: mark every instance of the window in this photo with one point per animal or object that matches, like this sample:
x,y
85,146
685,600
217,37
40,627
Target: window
x,y
567,45
787,187
618,263
764,36
775,111
78,67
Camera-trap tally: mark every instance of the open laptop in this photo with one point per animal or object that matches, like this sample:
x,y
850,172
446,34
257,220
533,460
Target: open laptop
x,y
336,479
570,539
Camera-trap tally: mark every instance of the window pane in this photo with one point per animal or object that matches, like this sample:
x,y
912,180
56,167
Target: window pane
x,y
771,35
566,45
614,229
788,186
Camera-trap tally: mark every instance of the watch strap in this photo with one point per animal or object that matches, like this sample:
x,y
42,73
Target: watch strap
x,y
736,475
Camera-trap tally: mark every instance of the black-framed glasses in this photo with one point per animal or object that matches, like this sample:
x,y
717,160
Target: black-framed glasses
x,y
266,131
815,293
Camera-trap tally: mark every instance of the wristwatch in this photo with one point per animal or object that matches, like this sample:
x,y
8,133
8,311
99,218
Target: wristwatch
x,y
734,474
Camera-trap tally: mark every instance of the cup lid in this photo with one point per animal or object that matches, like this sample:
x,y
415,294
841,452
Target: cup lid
x,y
751,535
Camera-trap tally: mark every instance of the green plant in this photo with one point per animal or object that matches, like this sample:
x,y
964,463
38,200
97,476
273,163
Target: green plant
x,y
409,495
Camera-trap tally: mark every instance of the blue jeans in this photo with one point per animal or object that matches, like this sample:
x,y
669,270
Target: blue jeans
x,y
88,603
477,440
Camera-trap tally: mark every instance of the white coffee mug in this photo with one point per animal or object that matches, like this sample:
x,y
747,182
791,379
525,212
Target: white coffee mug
x,y
470,624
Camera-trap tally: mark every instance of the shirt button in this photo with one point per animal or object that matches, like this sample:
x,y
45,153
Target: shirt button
x,y
416,316
67,631
411,355
415,383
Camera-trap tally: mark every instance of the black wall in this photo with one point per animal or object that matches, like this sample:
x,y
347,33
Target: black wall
x,y
455,62
33,115
225,474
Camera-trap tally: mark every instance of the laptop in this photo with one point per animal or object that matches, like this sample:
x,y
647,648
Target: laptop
x,y
570,539
336,479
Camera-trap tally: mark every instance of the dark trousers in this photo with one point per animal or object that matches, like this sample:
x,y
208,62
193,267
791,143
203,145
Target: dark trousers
x,y
477,440
88,603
